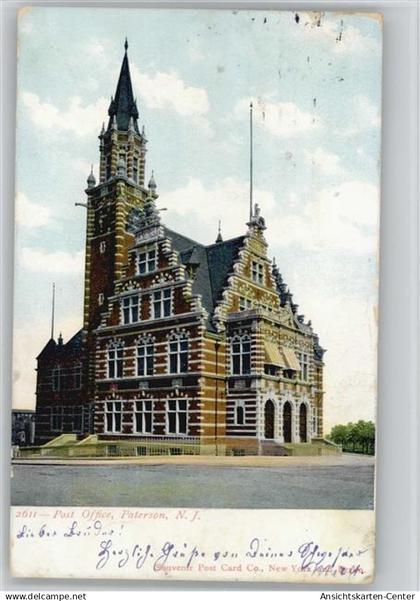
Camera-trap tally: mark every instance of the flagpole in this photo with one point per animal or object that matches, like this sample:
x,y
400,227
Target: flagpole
x,y
251,183
52,310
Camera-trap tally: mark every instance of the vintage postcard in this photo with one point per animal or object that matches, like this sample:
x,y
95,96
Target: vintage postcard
x,y
195,335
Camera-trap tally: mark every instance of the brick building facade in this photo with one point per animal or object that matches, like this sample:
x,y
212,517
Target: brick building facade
x,y
180,340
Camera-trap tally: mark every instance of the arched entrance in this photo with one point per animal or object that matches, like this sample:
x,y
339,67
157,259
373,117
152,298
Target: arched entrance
x,y
287,422
269,419
303,423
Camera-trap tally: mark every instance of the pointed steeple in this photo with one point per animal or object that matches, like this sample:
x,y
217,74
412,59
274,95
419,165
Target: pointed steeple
x,y
123,105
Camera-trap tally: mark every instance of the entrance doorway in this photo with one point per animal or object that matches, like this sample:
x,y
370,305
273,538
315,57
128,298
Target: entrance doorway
x,y
287,422
303,428
269,420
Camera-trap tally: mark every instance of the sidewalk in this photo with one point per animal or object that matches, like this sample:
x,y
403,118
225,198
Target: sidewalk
x,y
346,459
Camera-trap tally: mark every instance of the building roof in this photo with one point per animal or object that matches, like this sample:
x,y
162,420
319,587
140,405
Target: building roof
x,y
52,348
123,106
213,265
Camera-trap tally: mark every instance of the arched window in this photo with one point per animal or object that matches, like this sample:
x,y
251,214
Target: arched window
x,y
115,359
241,354
145,357
178,354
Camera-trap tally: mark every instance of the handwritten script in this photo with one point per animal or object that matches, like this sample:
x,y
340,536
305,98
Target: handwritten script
x,y
276,545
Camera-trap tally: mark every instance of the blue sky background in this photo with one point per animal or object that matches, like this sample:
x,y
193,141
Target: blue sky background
x,y
316,87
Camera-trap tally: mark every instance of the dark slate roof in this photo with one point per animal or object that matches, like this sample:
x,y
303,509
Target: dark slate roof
x,y
48,350
54,350
212,263
123,105
221,257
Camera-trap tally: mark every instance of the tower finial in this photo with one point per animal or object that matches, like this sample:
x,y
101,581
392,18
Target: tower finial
x,y
152,185
251,183
126,44
52,310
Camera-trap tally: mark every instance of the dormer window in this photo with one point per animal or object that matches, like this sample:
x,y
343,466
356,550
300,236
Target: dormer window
x,y
257,273
130,309
146,261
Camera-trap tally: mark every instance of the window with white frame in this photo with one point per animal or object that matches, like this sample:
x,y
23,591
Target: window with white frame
x,y
143,417
257,272
145,358
240,413
146,261
161,300
102,247
130,309
241,355
177,416
115,361
178,354
113,416
56,379
245,303
304,366
57,418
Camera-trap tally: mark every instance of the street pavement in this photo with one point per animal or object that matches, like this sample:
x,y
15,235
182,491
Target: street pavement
x,y
345,482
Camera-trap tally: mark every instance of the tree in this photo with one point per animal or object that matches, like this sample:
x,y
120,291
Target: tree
x,y
357,437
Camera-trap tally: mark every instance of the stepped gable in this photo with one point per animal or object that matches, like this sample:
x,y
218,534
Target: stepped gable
x,y
213,264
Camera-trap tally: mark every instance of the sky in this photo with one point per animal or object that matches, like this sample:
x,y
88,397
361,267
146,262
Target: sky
x,y
315,82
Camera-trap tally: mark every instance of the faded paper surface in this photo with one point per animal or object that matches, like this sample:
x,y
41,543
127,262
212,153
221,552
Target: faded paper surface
x,y
159,543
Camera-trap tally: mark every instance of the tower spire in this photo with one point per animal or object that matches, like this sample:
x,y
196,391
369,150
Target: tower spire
x,y
52,310
123,106
251,166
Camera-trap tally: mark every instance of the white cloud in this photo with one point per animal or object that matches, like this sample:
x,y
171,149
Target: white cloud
x,y
343,218
31,214
340,37
36,259
337,218
169,91
96,49
284,119
197,208
82,120
351,341
364,115
324,161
